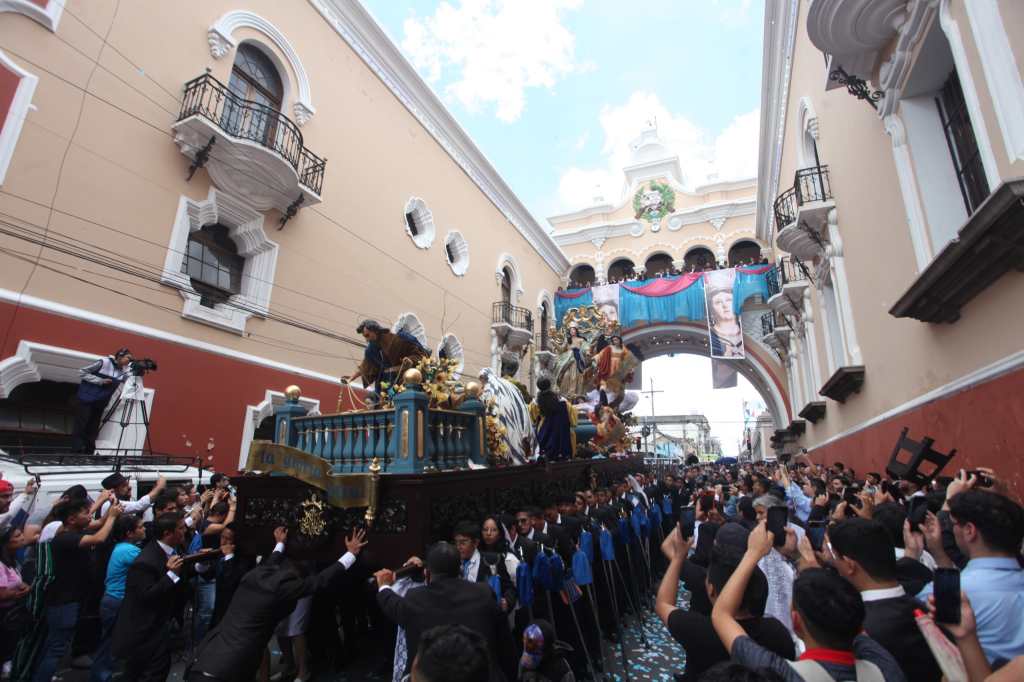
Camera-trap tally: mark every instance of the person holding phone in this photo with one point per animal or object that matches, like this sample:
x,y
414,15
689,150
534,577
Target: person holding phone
x,y
827,614
864,556
989,529
777,568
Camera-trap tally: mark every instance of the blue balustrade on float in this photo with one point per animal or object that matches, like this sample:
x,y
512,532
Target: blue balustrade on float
x,y
410,438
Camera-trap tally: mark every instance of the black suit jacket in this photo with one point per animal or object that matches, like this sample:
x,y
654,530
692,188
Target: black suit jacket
x,y
150,600
891,623
266,594
451,601
525,548
508,585
229,576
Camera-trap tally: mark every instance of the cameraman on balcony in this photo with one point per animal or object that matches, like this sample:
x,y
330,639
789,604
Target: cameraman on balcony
x,y
99,381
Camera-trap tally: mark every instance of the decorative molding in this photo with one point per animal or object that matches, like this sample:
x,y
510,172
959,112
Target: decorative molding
x,y
854,31
459,248
707,213
893,73
507,260
912,203
221,40
780,25
410,324
424,220
245,228
843,383
17,110
48,14
717,223
91,317
255,414
963,72
807,124
1001,72
355,25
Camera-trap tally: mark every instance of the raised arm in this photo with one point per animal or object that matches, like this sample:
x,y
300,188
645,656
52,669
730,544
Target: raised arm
x,y
723,615
100,536
675,550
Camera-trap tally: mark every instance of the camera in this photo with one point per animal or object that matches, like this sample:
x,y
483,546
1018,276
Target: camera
x,y
140,367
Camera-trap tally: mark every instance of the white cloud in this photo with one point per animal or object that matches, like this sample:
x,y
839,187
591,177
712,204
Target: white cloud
x,y
703,157
734,13
497,49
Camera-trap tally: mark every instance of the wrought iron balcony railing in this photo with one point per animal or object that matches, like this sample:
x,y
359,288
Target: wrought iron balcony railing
x,y
812,184
772,280
207,97
785,208
809,185
793,270
767,324
506,313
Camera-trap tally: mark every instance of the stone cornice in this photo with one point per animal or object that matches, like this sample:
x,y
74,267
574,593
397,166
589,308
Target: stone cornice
x,y
355,25
780,21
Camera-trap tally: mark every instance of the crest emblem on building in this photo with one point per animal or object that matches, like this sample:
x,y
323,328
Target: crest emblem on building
x,y
653,202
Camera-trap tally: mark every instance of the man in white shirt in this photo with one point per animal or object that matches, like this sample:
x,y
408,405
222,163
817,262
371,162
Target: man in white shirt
x,y
121,488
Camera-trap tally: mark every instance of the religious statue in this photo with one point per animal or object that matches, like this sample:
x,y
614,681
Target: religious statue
x,y
387,355
615,364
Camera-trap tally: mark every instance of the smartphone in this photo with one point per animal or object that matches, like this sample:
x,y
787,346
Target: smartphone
x,y
707,502
917,509
946,587
816,534
777,517
687,520
983,480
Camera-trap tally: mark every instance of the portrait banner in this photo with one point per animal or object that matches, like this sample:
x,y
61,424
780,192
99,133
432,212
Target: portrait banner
x,y
606,298
343,490
724,326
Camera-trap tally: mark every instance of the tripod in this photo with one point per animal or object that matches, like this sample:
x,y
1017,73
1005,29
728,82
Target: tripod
x,y
131,398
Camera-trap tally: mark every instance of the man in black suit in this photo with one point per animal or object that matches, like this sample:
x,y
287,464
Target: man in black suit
x,y
234,649
527,542
448,600
153,590
866,557
230,569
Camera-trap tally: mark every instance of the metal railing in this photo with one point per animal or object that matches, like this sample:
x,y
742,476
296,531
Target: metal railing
x,y
812,184
207,97
785,208
772,281
506,313
767,324
793,270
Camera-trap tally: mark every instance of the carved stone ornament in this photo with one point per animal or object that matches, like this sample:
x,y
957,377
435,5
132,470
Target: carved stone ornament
x,y
717,223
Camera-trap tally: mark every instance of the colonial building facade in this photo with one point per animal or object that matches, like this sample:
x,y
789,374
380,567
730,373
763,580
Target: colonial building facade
x,y
892,140
229,188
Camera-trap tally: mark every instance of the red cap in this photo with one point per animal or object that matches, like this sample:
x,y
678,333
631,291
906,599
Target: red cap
x,y
6,486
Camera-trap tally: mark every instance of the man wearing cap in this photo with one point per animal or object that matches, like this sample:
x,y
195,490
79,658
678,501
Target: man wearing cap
x,y
120,487
99,380
14,511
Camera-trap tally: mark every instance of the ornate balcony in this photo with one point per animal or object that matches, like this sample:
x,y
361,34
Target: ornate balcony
x,y
513,325
795,280
801,212
250,150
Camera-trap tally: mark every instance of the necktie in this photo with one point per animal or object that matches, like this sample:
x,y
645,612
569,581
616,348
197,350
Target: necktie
x,y
465,569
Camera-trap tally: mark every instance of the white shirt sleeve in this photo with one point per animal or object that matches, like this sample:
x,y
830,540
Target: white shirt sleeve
x,y
279,547
189,522
384,587
347,559
133,506
173,576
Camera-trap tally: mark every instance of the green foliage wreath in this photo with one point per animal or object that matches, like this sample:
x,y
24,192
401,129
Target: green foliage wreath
x,y
668,201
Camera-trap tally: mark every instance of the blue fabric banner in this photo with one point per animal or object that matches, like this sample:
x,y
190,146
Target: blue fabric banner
x,y
564,303
746,285
688,304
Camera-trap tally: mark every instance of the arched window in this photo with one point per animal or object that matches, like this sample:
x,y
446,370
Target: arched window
x,y
621,269
506,286
698,259
657,264
255,79
213,265
38,415
581,276
744,252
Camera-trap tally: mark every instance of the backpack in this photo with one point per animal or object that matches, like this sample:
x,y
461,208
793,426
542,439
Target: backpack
x,y
812,671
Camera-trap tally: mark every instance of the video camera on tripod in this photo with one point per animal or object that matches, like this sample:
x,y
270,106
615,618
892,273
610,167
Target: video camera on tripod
x,y
139,368
132,398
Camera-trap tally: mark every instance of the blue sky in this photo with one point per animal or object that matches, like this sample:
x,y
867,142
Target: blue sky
x,y
553,90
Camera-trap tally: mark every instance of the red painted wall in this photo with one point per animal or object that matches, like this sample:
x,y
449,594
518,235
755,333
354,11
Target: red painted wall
x,y
984,423
199,395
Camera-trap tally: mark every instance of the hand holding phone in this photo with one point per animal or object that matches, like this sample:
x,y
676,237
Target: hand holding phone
x,y
946,587
816,534
687,521
777,518
917,509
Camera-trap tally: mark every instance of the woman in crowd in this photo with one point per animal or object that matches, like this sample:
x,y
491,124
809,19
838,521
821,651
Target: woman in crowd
x,y
13,592
129,533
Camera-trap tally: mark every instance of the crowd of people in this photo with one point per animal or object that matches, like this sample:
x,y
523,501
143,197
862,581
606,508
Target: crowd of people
x,y
697,266
795,571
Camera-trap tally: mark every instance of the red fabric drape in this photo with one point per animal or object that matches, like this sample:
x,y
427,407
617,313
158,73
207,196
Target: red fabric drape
x,y
574,293
665,286
755,269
